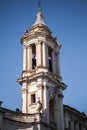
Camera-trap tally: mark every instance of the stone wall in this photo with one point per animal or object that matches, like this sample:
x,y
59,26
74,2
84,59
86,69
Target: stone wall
x,y
10,120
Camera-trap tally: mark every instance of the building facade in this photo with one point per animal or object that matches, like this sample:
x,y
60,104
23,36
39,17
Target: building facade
x,y
42,86
10,120
73,119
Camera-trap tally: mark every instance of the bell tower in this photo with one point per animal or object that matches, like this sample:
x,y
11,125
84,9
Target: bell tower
x,y
42,86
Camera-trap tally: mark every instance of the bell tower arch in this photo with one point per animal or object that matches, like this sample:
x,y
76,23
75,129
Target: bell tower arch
x,y
42,86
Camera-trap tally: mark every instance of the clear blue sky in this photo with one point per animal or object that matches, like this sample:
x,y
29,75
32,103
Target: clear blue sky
x,y
67,19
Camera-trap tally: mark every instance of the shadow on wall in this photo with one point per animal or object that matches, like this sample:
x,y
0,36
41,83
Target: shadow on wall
x,y
35,127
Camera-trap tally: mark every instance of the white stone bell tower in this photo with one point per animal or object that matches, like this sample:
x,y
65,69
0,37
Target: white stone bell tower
x,y
42,86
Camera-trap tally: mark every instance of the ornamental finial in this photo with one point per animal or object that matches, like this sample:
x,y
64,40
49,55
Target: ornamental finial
x,y
39,5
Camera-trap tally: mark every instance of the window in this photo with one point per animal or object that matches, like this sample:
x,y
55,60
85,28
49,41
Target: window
x,y
33,56
33,98
75,125
69,124
79,126
50,59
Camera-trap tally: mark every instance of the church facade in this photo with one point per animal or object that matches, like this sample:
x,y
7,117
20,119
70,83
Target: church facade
x,y
42,86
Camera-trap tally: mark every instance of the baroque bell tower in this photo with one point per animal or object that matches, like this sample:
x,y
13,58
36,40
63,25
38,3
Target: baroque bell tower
x,y
42,86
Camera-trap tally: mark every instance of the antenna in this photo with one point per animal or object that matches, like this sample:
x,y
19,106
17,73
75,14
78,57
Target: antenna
x,y
39,5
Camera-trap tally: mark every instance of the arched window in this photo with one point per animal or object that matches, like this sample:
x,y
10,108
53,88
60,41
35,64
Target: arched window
x,y
50,59
69,124
33,56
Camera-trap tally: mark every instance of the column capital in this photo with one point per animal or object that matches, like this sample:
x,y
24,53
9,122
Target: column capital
x,y
38,42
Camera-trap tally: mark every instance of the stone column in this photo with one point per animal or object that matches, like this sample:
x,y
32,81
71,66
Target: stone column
x,y
56,110
47,64
24,58
44,55
60,112
38,54
53,62
46,102
29,58
58,62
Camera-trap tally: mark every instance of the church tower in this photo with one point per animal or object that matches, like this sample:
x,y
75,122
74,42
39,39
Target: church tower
x,y
42,86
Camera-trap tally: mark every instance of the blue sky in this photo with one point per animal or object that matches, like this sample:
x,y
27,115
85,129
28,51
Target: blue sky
x,y
67,19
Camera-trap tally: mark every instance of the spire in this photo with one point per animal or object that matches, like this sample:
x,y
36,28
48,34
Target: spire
x,y
40,17
39,6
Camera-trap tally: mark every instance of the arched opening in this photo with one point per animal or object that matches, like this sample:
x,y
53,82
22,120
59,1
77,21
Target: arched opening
x,y
33,56
50,59
51,111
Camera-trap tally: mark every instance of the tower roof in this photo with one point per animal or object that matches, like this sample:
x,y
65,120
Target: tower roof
x,y
39,18
39,24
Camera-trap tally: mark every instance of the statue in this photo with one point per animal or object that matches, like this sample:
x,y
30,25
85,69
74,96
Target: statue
x,y
39,106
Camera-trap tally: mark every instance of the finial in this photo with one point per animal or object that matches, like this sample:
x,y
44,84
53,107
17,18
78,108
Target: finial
x,y
39,5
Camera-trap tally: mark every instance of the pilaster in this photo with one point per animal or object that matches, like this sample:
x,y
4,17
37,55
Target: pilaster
x,y
77,126
25,98
39,90
60,112
45,103
24,58
56,109
44,55
72,125
58,62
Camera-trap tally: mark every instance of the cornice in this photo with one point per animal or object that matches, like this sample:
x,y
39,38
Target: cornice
x,y
34,35
74,112
49,76
40,26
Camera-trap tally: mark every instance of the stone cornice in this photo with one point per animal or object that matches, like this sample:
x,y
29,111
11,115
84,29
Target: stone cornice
x,y
25,39
49,76
40,26
35,31
72,111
